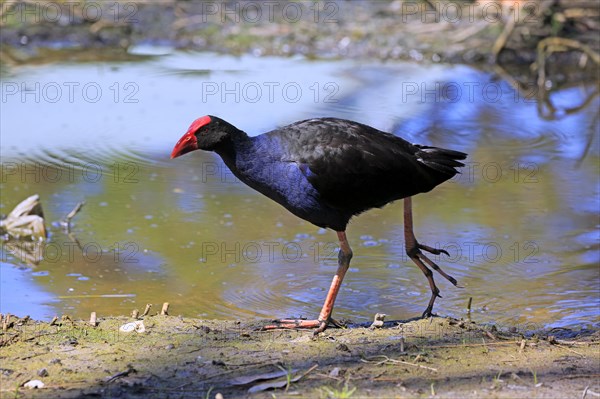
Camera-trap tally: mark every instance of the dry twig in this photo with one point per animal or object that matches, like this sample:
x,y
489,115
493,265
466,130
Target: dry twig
x,y
501,40
551,45
66,222
121,374
395,361
147,310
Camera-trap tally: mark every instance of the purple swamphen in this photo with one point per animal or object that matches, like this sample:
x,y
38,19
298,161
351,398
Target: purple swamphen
x,y
326,171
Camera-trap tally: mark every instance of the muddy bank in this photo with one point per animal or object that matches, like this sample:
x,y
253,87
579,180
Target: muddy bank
x,y
189,358
427,31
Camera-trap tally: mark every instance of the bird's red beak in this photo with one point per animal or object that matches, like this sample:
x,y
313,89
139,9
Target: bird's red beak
x,y
188,142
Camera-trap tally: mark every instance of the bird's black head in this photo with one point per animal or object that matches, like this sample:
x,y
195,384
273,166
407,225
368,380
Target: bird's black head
x,y
206,133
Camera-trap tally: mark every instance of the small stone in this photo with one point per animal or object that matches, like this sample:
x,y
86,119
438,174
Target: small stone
x,y
42,373
34,384
205,329
71,341
55,361
137,326
378,320
342,347
6,372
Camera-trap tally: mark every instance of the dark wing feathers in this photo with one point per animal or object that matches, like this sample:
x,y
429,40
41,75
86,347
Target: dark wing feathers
x,y
356,166
442,160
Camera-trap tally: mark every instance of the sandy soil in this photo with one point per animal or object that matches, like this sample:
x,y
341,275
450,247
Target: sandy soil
x,y
189,358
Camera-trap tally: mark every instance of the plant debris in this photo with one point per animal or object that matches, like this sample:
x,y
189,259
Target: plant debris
x,y
452,358
25,221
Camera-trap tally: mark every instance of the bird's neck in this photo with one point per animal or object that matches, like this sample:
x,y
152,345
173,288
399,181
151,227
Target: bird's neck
x,y
238,145
253,160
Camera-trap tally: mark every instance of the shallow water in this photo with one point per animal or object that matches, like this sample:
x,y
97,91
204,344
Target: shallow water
x,y
520,223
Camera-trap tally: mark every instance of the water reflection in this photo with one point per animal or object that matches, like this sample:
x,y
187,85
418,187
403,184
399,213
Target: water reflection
x,y
27,252
520,223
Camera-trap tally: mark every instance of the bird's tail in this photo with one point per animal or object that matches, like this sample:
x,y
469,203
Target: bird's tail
x,y
440,159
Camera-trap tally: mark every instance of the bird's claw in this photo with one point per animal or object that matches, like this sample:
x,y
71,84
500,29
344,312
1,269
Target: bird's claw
x,y
422,261
431,250
428,313
324,324
420,255
336,323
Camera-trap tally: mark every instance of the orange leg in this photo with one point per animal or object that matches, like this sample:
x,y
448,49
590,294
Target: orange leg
x,y
413,250
321,323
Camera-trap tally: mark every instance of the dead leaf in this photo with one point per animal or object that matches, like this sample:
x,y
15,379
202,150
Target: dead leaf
x,y
257,377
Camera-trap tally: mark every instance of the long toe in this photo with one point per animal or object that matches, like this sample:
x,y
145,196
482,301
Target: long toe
x,y
336,323
292,324
438,269
432,250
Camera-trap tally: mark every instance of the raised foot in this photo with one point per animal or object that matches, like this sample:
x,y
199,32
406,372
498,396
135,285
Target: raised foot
x,y
415,252
300,323
421,260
